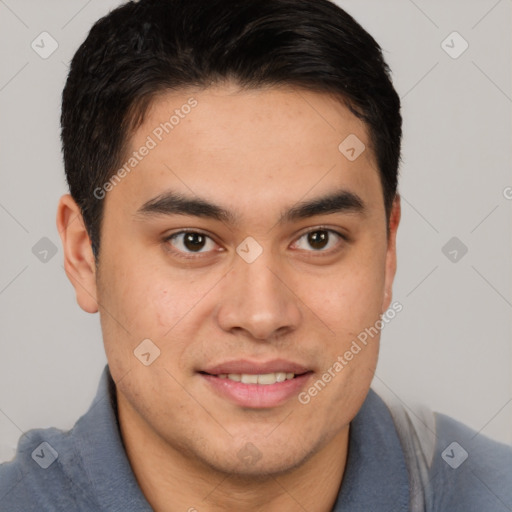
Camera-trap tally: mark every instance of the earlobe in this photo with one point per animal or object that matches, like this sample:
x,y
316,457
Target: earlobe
x,y
79,261
394,221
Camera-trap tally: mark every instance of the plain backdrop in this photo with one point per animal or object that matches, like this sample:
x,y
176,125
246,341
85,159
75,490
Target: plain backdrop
x,y
449,348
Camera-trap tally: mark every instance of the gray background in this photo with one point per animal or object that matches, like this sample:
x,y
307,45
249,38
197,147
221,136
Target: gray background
x,y
450,347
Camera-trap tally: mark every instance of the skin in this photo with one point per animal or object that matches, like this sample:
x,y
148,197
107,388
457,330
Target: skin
x,y
256,153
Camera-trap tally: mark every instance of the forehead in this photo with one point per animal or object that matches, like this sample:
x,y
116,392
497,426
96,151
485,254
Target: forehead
x,y
243,147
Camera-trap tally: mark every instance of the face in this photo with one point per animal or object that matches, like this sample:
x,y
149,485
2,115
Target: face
x,y
251,252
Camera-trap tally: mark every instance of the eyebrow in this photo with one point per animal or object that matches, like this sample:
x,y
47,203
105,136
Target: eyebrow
x,y
174,203
342,201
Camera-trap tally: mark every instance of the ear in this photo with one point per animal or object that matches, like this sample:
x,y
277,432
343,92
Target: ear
x,y
394,220
79,261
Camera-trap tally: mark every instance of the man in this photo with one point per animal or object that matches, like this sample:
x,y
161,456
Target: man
x,y
233,216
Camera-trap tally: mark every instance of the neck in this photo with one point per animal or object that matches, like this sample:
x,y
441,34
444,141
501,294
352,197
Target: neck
x,y
173,480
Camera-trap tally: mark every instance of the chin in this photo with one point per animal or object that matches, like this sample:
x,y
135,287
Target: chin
x,y
260,463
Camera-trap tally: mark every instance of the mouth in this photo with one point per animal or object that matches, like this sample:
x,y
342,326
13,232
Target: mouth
x,y
256,385
265,379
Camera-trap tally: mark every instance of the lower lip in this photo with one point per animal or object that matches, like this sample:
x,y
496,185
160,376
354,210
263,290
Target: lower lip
x,y
257,396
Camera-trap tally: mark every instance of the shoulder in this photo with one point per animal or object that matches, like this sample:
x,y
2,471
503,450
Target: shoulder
x,y
469,471
83,469
50,471
40,477
451,466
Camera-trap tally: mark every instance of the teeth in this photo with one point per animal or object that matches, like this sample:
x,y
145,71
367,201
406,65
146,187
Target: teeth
x,y
265,378
249,379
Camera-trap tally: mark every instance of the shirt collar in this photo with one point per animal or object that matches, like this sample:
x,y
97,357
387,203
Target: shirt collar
x,y
99,442
376,476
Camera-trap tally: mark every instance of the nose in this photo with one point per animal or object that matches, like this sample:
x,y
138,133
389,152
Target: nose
x,y
258,299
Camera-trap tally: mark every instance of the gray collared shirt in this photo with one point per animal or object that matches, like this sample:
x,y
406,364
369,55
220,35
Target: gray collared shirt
x,y
86,469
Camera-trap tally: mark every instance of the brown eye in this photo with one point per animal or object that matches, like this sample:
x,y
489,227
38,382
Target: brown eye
x,y
191,242
320,240
194,241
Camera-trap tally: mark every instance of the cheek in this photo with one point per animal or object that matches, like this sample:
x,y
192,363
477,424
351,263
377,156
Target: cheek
x,y
351,298
143,302
351,306
164,305
146,300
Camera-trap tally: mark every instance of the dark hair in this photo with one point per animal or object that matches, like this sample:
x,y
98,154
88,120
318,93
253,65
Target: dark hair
x,y
144,48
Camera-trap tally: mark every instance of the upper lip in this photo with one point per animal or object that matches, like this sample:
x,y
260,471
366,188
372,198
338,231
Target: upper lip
x,y
246,366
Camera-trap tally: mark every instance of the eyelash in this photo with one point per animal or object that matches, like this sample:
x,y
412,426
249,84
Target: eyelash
x,y
192,255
